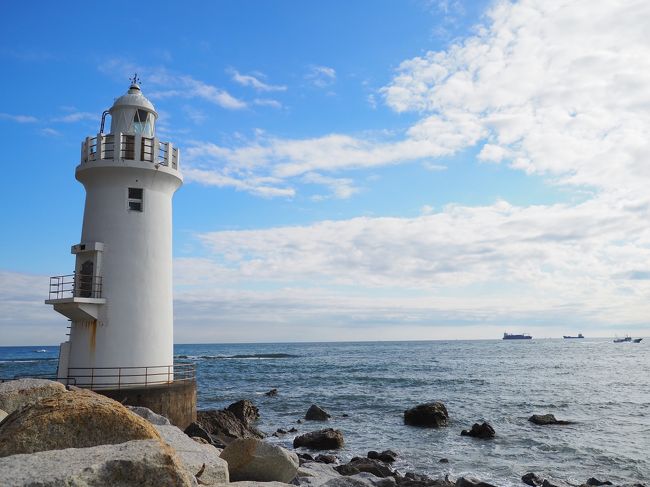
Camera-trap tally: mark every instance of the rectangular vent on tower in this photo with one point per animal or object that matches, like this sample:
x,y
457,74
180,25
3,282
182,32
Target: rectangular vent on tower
x,y
135,199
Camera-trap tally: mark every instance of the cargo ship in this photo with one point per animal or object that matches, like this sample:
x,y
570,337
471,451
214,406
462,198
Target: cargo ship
x,y
580,335
514,336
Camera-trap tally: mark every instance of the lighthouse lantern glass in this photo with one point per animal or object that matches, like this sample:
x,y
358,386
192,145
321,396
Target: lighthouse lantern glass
x,y
143,123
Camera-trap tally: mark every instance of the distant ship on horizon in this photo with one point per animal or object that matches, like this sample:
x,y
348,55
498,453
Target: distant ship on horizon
x,y
580,335
515,336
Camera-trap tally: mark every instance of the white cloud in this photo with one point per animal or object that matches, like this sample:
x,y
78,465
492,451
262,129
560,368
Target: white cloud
x,y
18,118
460,265
267,102
172,85
253,82
321,76
51,132
188,87
77,116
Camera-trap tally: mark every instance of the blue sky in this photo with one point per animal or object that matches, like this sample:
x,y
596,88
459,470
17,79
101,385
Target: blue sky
x,y
354,170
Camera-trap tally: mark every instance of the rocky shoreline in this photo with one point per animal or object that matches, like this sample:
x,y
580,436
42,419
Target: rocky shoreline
x,y
51,436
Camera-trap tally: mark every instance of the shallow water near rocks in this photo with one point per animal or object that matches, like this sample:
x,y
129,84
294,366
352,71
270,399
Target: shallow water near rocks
x,y
602,386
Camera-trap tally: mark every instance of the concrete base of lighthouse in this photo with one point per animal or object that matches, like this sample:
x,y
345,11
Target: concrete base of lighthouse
x,y
176,401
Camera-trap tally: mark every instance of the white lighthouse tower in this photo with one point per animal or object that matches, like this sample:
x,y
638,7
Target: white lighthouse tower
x,y
119,298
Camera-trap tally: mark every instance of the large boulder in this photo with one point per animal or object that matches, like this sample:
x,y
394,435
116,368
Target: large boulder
x,y
432,415
326,439
546,419
316,413
195,456
231,423
15,394
484,431
253,459
75,419
142,463
195,430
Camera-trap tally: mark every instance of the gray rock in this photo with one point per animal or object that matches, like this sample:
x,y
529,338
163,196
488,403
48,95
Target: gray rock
x,y
314,474
245,411
325,459
546,419
484,431
15,394
326,439
253,459
471,482
432,415
194,455
554,483
316,413
141,463
149,415
3,415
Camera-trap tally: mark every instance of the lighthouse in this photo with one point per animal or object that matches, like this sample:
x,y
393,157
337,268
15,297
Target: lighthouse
x,y
118,299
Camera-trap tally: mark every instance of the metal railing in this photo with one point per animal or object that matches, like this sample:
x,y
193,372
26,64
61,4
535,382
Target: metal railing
x,y
98,378
75,285
129,147
129,377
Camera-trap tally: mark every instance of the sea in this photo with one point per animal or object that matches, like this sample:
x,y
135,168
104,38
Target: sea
x,y
602,387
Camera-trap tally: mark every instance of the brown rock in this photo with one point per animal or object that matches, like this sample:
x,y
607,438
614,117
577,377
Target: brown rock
x,y
484,431
245,411
316,413
252,459
432,415
546,419
75,419
327,439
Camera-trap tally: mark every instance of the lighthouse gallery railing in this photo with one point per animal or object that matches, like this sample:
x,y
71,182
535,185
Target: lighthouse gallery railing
x,y
129,147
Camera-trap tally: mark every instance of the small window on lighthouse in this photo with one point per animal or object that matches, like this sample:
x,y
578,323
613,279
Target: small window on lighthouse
x,y
143,123
135,199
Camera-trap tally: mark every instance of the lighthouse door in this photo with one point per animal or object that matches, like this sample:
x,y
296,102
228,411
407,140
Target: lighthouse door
x,y
85,282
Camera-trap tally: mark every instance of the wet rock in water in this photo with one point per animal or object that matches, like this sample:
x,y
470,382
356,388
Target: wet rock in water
x,y
326,459
347,469
443,460
484,431
471,482
387,456
326,439
76,419
140,463
293,430
554,483
14,394
280,431
253,459
546,419
412,479
432,415
595,482
231,423
299,421
245,411
369,465
196,430
271,393
531,479
316,413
